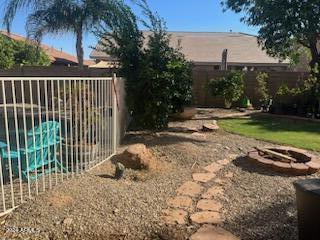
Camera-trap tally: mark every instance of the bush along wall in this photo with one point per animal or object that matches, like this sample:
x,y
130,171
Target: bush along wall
x,y
158,77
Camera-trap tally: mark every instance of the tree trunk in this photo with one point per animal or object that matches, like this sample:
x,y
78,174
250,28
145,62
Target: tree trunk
x,y
315,67
79,48
314,54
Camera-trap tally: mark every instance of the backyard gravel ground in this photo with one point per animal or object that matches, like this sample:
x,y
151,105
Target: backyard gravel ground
x,y
258,204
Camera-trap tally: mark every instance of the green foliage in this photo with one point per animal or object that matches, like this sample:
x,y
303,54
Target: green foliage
x,y
284,90
158,77
300,56
282,23
6,53
60,16
20,53
262,88
230,87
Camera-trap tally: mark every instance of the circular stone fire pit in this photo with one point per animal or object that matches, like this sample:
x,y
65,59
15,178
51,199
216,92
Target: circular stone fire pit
x,y
286,160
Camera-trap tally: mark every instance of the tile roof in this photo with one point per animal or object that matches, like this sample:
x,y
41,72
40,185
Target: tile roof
x,y
53,54
207,47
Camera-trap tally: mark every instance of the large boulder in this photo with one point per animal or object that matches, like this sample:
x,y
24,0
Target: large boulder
x,y
137,157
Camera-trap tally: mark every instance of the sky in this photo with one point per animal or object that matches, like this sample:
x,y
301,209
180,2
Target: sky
x,y
180,15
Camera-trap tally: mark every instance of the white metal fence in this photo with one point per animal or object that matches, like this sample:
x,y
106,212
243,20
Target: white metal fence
x,y
51,130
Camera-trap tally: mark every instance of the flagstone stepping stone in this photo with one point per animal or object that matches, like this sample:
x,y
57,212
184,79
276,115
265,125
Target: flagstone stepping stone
x,y
203,177
213,192
209,205
209,232
183,202
213,168
175,216
206,217
189,188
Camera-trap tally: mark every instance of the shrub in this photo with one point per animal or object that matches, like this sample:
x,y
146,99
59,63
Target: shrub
x,y
230,87
262,89
20,53
158,77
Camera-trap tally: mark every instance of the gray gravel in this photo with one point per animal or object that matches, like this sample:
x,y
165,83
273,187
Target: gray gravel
x,y
258,203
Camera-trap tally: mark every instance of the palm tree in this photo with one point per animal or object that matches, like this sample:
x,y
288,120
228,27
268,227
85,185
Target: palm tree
x,y
60,16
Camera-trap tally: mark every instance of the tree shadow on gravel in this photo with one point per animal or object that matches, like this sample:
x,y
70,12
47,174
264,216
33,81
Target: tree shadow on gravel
x,y
273,222
247,165
162,139
106,176
181,130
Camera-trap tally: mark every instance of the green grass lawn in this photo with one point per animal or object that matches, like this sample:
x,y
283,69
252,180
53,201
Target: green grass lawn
x,y
296,133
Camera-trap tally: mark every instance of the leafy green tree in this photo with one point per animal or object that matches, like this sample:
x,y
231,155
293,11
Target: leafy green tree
x,y
29,55
158,78
6,53
282,24
60,16
20,53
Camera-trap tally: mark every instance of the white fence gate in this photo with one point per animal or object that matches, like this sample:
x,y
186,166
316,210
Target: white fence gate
x,y
51,130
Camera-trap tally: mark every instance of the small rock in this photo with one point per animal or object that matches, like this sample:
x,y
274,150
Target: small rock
x,y
115,211
67,222
203,177
120,168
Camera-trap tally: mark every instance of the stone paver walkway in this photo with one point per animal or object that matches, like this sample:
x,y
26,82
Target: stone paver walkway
x,y
209,232
197,205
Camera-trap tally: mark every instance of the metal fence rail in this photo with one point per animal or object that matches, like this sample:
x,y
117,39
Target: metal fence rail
x,y
51,130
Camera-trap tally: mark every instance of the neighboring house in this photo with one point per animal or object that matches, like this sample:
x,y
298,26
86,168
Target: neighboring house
x,y
205,50
57,57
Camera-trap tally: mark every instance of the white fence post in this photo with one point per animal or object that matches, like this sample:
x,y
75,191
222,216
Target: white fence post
x,y
114,112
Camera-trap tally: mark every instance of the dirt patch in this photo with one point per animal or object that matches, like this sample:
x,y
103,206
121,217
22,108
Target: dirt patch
x,y
59,200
